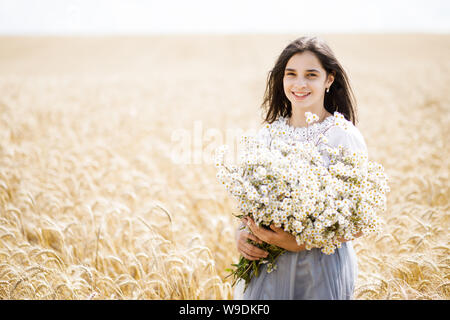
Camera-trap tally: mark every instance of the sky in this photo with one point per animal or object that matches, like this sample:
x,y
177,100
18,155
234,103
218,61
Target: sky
x,y
103,17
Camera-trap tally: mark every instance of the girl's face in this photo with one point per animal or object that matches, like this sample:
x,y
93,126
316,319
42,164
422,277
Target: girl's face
x,y
305,82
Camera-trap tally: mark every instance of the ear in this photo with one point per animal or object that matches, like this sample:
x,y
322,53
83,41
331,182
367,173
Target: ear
x,y
330,78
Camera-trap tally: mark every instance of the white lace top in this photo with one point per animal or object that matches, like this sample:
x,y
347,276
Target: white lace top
x,y
335,128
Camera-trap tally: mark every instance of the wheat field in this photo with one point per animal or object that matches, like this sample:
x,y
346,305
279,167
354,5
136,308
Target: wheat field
x,y
93,205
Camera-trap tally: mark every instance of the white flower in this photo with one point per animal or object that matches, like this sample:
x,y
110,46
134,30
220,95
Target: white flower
x,y
323,139
265,200
311,117
261,171
287,184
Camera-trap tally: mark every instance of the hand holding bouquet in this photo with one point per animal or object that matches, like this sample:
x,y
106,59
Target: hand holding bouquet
x,y
290,186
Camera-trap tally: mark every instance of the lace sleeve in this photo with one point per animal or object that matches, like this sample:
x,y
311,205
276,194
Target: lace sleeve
x,y
350,138
263,135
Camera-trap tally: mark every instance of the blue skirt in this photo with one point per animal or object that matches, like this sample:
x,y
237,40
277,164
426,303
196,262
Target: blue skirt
x,y
306,275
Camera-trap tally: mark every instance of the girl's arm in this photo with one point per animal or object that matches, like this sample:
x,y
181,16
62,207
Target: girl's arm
x,y
245,248
357,235
275,236
279,237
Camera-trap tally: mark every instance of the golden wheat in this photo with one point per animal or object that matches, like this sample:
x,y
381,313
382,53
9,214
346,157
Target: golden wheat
x,y
92,206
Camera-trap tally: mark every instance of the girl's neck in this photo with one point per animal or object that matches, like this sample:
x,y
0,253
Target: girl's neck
x,y
298,118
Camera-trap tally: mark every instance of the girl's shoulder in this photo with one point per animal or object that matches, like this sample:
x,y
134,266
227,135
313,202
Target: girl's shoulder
x,y
345,133
336,128
263,133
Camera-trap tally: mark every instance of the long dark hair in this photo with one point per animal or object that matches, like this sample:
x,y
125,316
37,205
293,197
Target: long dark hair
x,y
340,97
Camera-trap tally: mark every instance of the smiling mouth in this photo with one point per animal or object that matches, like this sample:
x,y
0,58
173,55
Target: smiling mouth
x,y
301,95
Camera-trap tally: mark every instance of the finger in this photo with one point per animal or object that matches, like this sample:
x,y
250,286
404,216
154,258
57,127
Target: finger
x,y
255,232
274,228
252,226
250,249
254,251
261,233
246,252
246,256
252,254
253,237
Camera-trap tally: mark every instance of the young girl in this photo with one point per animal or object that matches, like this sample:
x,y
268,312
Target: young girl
x,y
306,78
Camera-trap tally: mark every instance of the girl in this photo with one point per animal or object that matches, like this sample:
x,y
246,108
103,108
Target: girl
x,y
306,78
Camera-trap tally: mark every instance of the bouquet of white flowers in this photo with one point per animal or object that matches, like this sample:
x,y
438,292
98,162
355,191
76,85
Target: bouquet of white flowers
x,y
290,186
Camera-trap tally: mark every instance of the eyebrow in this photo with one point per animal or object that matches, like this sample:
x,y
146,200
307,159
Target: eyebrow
x,y
309,70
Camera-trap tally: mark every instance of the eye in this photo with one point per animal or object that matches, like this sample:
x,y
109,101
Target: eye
x,y
311,74
290,74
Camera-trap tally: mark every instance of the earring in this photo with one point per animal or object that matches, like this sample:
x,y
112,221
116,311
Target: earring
x,y
328,89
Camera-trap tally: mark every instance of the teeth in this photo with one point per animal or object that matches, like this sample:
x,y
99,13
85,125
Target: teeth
x,y
301,94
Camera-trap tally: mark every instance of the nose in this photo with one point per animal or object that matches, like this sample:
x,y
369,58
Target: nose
x,y
300,82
